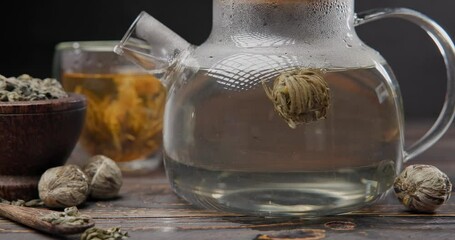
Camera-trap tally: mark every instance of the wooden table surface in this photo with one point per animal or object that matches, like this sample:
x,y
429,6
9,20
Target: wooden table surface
x,y
148,209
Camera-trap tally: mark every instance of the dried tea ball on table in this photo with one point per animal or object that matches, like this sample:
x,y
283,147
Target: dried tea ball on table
x,y
105,177
64,186
422,188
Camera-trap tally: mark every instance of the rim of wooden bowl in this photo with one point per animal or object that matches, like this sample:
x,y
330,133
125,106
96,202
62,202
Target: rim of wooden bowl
x,y
72,102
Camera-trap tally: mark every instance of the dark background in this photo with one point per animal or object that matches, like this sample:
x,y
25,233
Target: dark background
x,y
31,29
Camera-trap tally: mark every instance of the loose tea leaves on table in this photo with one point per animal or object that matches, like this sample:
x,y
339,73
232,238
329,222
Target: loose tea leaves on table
x,y
27,88
70,216
300,96
22,203
104,234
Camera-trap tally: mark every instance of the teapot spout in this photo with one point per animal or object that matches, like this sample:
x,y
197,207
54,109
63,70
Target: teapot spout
x,y
151,45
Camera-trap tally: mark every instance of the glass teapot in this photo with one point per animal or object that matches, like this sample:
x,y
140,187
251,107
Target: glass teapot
x,y
236,138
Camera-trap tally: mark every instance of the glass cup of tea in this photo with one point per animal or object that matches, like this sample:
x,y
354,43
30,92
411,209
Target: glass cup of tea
x,y
125,104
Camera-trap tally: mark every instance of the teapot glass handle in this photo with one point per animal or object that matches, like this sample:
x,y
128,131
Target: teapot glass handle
x,y
447,49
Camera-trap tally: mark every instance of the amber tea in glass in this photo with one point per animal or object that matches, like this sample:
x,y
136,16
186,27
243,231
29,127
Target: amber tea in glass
x,y
125,104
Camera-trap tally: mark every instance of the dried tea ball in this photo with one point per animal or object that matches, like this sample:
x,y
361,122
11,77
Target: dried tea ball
x,y
105,177
64,186
300,96
422,188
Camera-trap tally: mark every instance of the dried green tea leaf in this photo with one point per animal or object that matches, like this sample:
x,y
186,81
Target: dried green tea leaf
x,y
22,203
27,88
70,216
104,234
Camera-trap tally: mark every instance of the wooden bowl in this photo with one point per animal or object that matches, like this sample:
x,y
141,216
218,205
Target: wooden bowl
x,y
35,136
